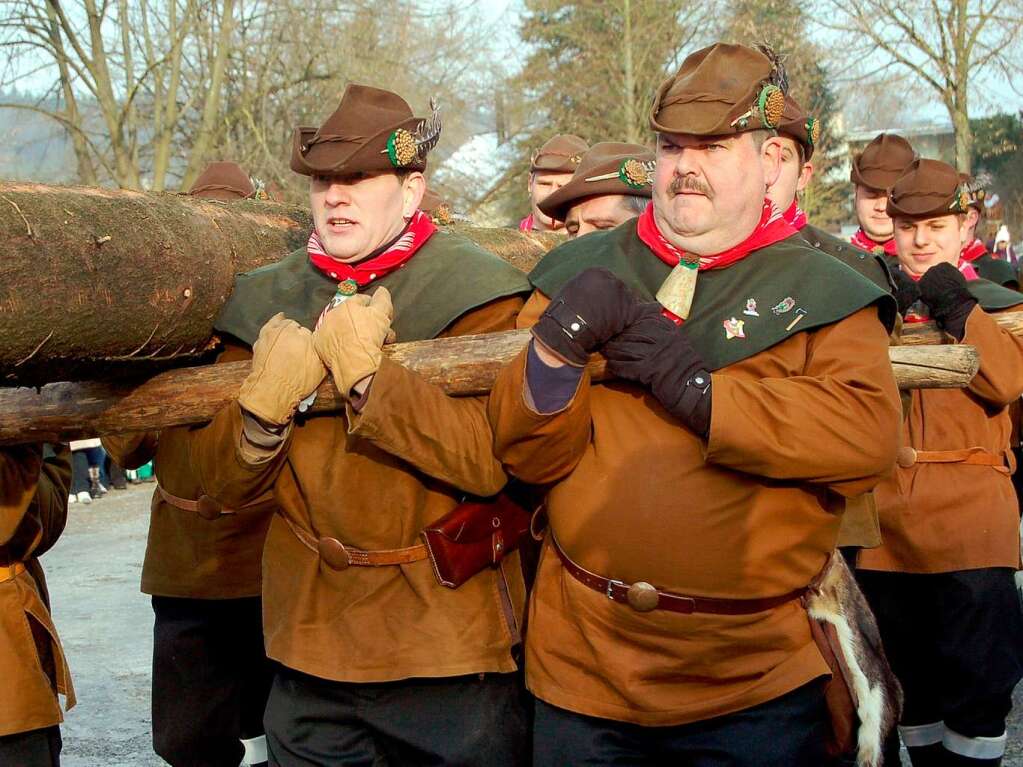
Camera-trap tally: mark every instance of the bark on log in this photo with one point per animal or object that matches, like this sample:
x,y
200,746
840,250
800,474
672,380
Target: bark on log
x,y
928,333
462,366
101,283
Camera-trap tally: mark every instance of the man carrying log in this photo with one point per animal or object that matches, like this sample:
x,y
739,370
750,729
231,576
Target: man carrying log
x,y
211,676
975,251
610,186
379,663
550,168
941,584
34,484
693,502
873,173
799,134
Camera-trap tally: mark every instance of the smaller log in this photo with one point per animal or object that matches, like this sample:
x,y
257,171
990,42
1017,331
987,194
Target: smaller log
x,y
928,333
467,365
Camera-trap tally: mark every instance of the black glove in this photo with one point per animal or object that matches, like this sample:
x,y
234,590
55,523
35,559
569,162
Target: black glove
x,y
655,352
591,308
906,290
943,289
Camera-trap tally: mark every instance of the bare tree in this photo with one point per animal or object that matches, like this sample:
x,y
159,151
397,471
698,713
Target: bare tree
x,y
947,45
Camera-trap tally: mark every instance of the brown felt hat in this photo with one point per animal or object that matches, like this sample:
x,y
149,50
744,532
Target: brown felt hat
x,y
371,130
559,154
223,181
607,168
719,90
799,126
928,189
882,162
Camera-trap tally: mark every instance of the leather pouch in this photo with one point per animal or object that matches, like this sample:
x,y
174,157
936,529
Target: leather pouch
x,y
474,536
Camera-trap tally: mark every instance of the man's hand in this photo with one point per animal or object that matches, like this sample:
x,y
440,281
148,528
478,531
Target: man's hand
x,y
588,311
655,352
285,370
350,338
907,291
943,289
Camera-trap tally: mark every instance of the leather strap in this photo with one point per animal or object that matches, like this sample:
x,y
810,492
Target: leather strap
x,y
10,572
976,456
206,507
340,557
643,597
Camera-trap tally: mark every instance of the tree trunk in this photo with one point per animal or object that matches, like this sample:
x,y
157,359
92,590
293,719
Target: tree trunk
x,y
466,365
98,283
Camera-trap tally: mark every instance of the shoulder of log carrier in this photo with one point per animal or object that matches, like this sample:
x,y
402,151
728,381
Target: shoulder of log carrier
x,y
292,286
870,265
448,277
993,297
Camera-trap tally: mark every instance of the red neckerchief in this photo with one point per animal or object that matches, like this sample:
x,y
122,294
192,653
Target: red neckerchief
x,y
972,252
526,224
862,241
419,230
771,229
913,317
794,216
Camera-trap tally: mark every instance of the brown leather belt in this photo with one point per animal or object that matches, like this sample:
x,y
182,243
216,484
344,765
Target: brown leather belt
x,y
976,456
642,597
337,556
10,572
206,507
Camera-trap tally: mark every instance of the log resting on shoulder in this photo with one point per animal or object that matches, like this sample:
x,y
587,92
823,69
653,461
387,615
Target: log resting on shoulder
x,y
465,365
102,283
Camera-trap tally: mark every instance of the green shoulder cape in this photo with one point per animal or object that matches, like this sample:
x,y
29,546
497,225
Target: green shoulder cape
x,y
870,265
447,277
774,292
997,271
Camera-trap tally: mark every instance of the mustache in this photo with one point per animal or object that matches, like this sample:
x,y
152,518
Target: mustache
x,y
681,184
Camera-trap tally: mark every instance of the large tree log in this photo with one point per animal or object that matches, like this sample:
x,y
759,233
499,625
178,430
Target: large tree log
x,y
462,366
99,283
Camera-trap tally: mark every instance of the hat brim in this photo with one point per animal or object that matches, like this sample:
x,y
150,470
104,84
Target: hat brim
x,y
338,158
559,203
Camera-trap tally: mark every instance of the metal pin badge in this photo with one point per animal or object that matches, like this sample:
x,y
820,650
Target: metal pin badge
x,y
783,306
800,313
751,308
734,328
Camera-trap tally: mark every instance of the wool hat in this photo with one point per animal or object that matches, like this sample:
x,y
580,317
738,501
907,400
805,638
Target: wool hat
x,y
882,162
719,90
607,168
559,154
371,130
928,189
223,181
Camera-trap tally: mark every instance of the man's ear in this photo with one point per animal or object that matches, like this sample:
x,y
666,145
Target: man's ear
x,y
805,174
770,160
412,190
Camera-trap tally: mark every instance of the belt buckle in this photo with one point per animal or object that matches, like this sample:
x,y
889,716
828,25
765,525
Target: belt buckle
x,y
611,583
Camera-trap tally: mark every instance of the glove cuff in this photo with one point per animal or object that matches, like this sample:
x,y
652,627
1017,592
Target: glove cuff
x,y
565,333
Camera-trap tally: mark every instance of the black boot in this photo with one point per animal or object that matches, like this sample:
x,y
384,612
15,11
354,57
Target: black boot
x,y
957,760
932,755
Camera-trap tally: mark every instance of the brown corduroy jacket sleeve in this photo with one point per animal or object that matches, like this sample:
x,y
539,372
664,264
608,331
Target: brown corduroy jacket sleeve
x,y
837,424
999,381
33,499
130,451
447,438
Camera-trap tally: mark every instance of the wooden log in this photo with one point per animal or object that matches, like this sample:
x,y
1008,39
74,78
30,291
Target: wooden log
x,y
461,366
102,283
928,333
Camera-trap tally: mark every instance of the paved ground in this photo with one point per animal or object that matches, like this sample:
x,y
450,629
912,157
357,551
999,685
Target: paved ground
x,y
106,626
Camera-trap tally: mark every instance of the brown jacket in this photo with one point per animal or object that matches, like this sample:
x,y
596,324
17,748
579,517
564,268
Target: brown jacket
x,y
186,555
373,480
33,510
941,517
751,513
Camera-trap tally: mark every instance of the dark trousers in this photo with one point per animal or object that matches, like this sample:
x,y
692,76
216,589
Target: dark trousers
x,y
36,748
211,679
466,721
954,641
790,731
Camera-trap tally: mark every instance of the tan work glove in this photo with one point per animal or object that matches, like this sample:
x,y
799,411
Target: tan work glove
x,y
350,338
285,370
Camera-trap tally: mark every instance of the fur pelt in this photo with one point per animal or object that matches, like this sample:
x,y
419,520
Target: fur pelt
x,y
836,599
